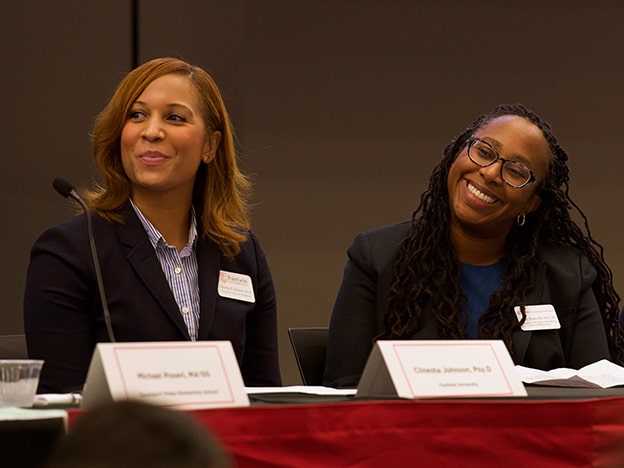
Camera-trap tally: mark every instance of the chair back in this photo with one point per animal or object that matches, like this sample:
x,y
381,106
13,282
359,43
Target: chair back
x,y
309,345
13,347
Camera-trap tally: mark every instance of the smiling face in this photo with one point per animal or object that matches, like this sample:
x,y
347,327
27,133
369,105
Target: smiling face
x,y
481,202
165,138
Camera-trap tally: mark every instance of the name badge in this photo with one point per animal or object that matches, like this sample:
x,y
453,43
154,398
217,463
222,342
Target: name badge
x,y
235,286
538,317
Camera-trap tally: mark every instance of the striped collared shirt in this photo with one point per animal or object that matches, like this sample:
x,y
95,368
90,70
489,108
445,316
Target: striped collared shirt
x,y
180,269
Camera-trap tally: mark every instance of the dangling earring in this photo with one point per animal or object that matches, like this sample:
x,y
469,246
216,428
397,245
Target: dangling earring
x,y
521,219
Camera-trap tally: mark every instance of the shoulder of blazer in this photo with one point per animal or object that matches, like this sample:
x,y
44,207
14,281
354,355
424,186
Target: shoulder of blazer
x,y
564,263
390,235
74,230
561,257
378,248
385,237
250,251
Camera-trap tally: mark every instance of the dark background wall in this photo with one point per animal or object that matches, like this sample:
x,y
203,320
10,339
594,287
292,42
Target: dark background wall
x,y
342,109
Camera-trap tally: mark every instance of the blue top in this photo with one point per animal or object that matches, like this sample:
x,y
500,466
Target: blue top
x,y
478,283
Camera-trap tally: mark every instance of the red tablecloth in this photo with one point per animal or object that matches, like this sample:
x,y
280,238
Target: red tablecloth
x,y
455,433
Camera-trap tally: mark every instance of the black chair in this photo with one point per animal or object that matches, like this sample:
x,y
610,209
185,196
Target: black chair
x,y
309,345
13,347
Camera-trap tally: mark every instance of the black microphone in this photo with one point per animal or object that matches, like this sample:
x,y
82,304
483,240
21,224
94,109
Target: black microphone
x,y
67,190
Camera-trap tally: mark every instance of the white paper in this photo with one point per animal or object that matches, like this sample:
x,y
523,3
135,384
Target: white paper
x,y
600,374
24,414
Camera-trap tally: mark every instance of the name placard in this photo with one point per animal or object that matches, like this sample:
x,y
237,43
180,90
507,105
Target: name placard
x,y
439,368
180,374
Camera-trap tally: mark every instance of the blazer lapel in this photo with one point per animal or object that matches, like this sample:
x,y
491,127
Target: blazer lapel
x,y
208,266
522,338
142,257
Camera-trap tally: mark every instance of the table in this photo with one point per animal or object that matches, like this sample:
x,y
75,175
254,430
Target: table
x,y
539,431
27,441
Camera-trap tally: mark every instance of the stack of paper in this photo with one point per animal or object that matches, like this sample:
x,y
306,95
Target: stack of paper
x,y
600,374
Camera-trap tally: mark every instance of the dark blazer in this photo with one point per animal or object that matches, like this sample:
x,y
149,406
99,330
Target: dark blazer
x,y
564,280
63,317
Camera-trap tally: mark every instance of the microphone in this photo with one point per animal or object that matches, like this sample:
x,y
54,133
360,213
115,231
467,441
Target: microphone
x,y
67,190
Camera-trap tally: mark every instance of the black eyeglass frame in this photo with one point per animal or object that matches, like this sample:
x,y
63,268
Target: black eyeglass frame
x,y
471,143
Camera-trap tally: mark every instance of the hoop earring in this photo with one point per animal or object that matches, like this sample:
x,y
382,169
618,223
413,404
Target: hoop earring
x,y
521,219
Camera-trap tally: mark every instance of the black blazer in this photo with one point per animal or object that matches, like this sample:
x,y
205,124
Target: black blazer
x,y
63,317
564,280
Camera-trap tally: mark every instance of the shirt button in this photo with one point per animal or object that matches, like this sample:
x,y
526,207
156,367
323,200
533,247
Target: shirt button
x,y
185,310
178,270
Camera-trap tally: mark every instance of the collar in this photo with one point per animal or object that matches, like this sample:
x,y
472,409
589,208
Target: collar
x,y
155,237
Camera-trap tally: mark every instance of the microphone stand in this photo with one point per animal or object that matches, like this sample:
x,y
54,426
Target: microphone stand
x,y
67,190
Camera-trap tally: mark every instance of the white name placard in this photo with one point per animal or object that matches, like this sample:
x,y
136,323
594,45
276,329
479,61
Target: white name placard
x,y
439,368
180,374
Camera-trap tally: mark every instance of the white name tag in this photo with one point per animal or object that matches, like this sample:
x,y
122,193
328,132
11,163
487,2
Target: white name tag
x,y
181,374
538,317
235,286
439,368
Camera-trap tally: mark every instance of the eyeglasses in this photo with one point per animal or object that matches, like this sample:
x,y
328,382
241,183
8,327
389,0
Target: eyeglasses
x,y
484,154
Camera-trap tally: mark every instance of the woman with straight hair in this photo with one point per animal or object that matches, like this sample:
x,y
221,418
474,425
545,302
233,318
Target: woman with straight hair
x,y
171,226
